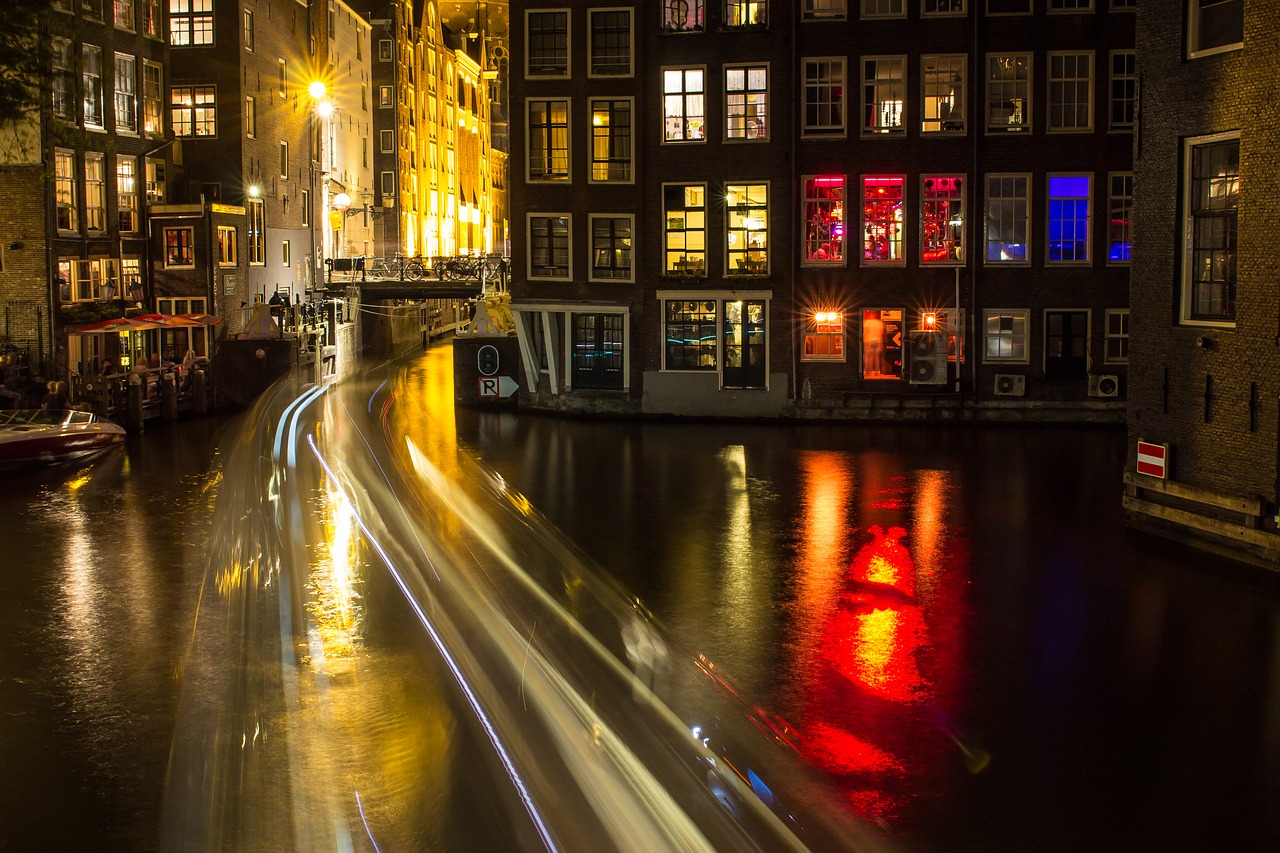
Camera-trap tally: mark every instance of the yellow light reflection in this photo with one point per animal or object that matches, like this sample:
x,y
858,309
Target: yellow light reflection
x,y
334,600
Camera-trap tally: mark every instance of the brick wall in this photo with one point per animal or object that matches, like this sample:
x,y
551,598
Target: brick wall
x,y
1214,444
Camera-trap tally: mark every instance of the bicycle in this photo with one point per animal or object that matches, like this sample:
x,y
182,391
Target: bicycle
x,y
399,267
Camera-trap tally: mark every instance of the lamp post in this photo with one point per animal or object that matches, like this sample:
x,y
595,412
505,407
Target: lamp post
x,y
342,203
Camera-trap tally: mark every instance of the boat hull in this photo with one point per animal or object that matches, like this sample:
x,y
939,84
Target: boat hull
x,y
77,436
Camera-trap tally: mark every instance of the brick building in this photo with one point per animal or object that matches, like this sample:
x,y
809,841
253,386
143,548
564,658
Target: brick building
x,y
824,209
1205,381
77,179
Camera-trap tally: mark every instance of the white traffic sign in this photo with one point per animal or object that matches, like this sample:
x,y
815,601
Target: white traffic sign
x,y
494,387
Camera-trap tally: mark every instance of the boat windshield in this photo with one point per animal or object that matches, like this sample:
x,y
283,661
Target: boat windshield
x,y
26,417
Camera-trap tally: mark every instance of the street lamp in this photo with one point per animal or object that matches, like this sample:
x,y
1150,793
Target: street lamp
x,y
342,203
318,92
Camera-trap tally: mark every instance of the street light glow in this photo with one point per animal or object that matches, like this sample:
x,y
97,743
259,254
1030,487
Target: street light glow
x,y
317,90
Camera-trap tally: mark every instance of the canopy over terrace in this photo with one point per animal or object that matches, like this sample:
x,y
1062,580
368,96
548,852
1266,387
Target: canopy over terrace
x,y
178,333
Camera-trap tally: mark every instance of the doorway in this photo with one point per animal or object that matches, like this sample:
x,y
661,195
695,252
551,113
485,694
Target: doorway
x,y
1066,342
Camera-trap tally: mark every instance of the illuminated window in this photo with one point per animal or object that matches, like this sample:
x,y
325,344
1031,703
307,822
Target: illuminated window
x,y
685,211
286,258
1006,335
683,105
1009,92
943,81
1117,339
611,139
824,220
248,30
547,41
942,8
1068,225
824,97
884,90
824,337
611,248
193,109
226,246
256,240
549,246
1124,89
155,180
284,161
1120,218
250,117
690,327
1211,201
91,74
817,10
126,83
127,193
942,219
1008,223
747,228
152,99
190,22
385,53
64,183
884,8
179,248
684,16
95,191
1071,91
746,107
548,137
882,219
882,336
610,47
745,13
151,18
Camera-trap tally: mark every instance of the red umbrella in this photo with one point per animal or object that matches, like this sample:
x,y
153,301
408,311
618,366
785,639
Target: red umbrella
x,y
168,321
201,319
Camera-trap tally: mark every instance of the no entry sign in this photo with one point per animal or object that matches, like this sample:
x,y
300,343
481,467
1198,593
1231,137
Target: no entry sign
x,y
1153,459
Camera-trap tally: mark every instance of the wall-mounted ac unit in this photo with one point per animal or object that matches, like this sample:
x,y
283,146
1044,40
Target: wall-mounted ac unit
x,y
1104,385
1010,385
928,358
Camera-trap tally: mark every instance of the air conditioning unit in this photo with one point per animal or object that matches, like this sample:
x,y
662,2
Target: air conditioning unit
x,y
1010,385
928,358
1104,385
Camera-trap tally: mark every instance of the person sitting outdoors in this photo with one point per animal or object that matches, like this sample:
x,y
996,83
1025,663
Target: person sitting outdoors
x,y
108,367
7,394
56,400
153,363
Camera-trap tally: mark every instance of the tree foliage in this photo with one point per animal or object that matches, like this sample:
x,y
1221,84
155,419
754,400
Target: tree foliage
x,y
22,61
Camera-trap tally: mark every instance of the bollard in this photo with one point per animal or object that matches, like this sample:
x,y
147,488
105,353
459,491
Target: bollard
x,y
199,392
136,415
169,398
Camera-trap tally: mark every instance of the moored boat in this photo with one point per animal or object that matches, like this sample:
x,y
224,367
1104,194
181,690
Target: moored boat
x,y
41,437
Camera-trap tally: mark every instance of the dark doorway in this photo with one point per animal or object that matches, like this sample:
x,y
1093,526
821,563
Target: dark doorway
x,y
1066,342
744,341
597,351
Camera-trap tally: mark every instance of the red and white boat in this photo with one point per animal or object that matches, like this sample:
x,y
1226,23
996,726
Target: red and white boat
x,y
41,437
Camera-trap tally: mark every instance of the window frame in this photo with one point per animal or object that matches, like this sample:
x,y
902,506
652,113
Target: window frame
x,y
594,131
1060,84
812,212
893,244
670,24
91,87
755,13
925,83
951,260
1112,210
66,191
1193,29
1026,87
1049,220
255,238
192,25
872,100
591,43
195,109
187,247
1124,101
549,131
126,99
825,326
1026,199
1188,286
670,266
1117,333
228,254
564,65
866,14
963,11
95,192
152,101
1024,338
692,129
827,130
747,93
128,220
824,10
530,217
740,262
629,249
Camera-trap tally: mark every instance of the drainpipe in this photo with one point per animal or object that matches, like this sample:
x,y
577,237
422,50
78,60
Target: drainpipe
x,y
974,343
796,200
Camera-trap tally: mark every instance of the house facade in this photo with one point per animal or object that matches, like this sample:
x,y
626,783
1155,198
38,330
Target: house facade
x,y
1204,400
898,209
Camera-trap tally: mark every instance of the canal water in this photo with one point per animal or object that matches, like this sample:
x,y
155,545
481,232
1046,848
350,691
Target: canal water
x,y
953,620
